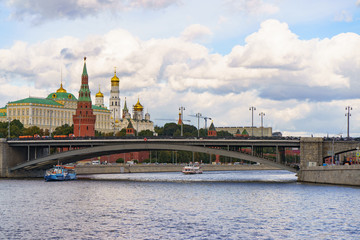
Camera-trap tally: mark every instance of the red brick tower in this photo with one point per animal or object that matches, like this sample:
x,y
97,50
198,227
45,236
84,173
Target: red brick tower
x,y
130,129
84,119
212,131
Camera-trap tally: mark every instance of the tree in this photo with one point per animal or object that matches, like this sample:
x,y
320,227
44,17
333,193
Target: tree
x,y
223,134
170,129
121,133
64,130
16,128
146,133
159,130
33,130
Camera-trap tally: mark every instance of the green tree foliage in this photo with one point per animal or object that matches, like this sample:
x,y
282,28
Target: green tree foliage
x,y
121,133
159,130
16,128
224,134
170,129
99,134
31,131
64,130
146,133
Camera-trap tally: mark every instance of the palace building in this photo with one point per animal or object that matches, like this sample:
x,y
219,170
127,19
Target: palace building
x,y
62,107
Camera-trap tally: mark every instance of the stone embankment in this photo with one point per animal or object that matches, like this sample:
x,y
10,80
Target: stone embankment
x,y
140,168
332,174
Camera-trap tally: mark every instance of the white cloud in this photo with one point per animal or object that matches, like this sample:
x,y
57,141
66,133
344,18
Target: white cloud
x,y
196,32
343,16
290,79
39,10
253,7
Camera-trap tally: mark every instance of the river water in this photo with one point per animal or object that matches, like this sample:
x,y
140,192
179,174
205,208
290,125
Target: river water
x,y
214,205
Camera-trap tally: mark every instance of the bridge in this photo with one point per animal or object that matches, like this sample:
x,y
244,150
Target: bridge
x,y
29,155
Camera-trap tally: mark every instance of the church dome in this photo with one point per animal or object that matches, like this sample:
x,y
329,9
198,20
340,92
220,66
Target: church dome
x,y
115,80
61,94
61,89
138,106
99,94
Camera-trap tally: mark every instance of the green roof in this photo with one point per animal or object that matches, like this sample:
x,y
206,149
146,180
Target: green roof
x,y
61,96
84,69
125,106
37,101
130,124
245,132
4,107
212,127
98,108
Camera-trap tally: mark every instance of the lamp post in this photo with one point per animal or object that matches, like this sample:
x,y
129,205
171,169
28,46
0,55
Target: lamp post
x,y
262,114
114,126
182,109
198,115
50,113
252,109
333,149
348,114
9,127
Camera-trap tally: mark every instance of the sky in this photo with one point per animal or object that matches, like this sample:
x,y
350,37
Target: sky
x,y
297,61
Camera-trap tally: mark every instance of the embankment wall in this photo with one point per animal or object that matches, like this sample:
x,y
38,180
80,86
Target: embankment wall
x,y
337,174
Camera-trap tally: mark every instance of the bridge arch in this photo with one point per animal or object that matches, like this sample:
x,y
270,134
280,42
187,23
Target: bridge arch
x,y
80,154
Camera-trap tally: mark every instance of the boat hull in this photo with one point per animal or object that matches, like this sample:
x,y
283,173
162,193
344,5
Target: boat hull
x,y
60,173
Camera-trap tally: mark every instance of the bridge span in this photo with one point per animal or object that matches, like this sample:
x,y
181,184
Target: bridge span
x,y
30,155
35,154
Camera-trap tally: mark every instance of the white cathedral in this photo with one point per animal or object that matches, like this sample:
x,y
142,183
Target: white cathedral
x,y
59,107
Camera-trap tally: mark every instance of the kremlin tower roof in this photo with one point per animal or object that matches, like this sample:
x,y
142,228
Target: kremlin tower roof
x,y
125,106
212,127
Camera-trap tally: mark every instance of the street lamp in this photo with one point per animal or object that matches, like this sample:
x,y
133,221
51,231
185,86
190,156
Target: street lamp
x,y
348,114
9,127
50,112
252,109
333,149
182,109
262,114
114,125
198,115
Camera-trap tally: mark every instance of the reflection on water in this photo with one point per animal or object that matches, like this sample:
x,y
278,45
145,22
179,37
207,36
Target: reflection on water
x,y
241,205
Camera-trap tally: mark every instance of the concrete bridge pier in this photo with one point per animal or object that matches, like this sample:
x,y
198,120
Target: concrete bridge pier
x,y
10,157
311,152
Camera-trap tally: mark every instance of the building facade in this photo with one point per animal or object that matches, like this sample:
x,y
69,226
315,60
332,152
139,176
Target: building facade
x,y
59,108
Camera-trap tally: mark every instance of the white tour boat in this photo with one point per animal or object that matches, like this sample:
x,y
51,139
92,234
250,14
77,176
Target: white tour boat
x,y
192,169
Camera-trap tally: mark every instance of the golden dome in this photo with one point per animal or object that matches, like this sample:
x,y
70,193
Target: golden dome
x,y
138,106
61,89
99,94
115,80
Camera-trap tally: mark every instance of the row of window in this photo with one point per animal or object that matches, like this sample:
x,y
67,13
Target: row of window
x,y
39,112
